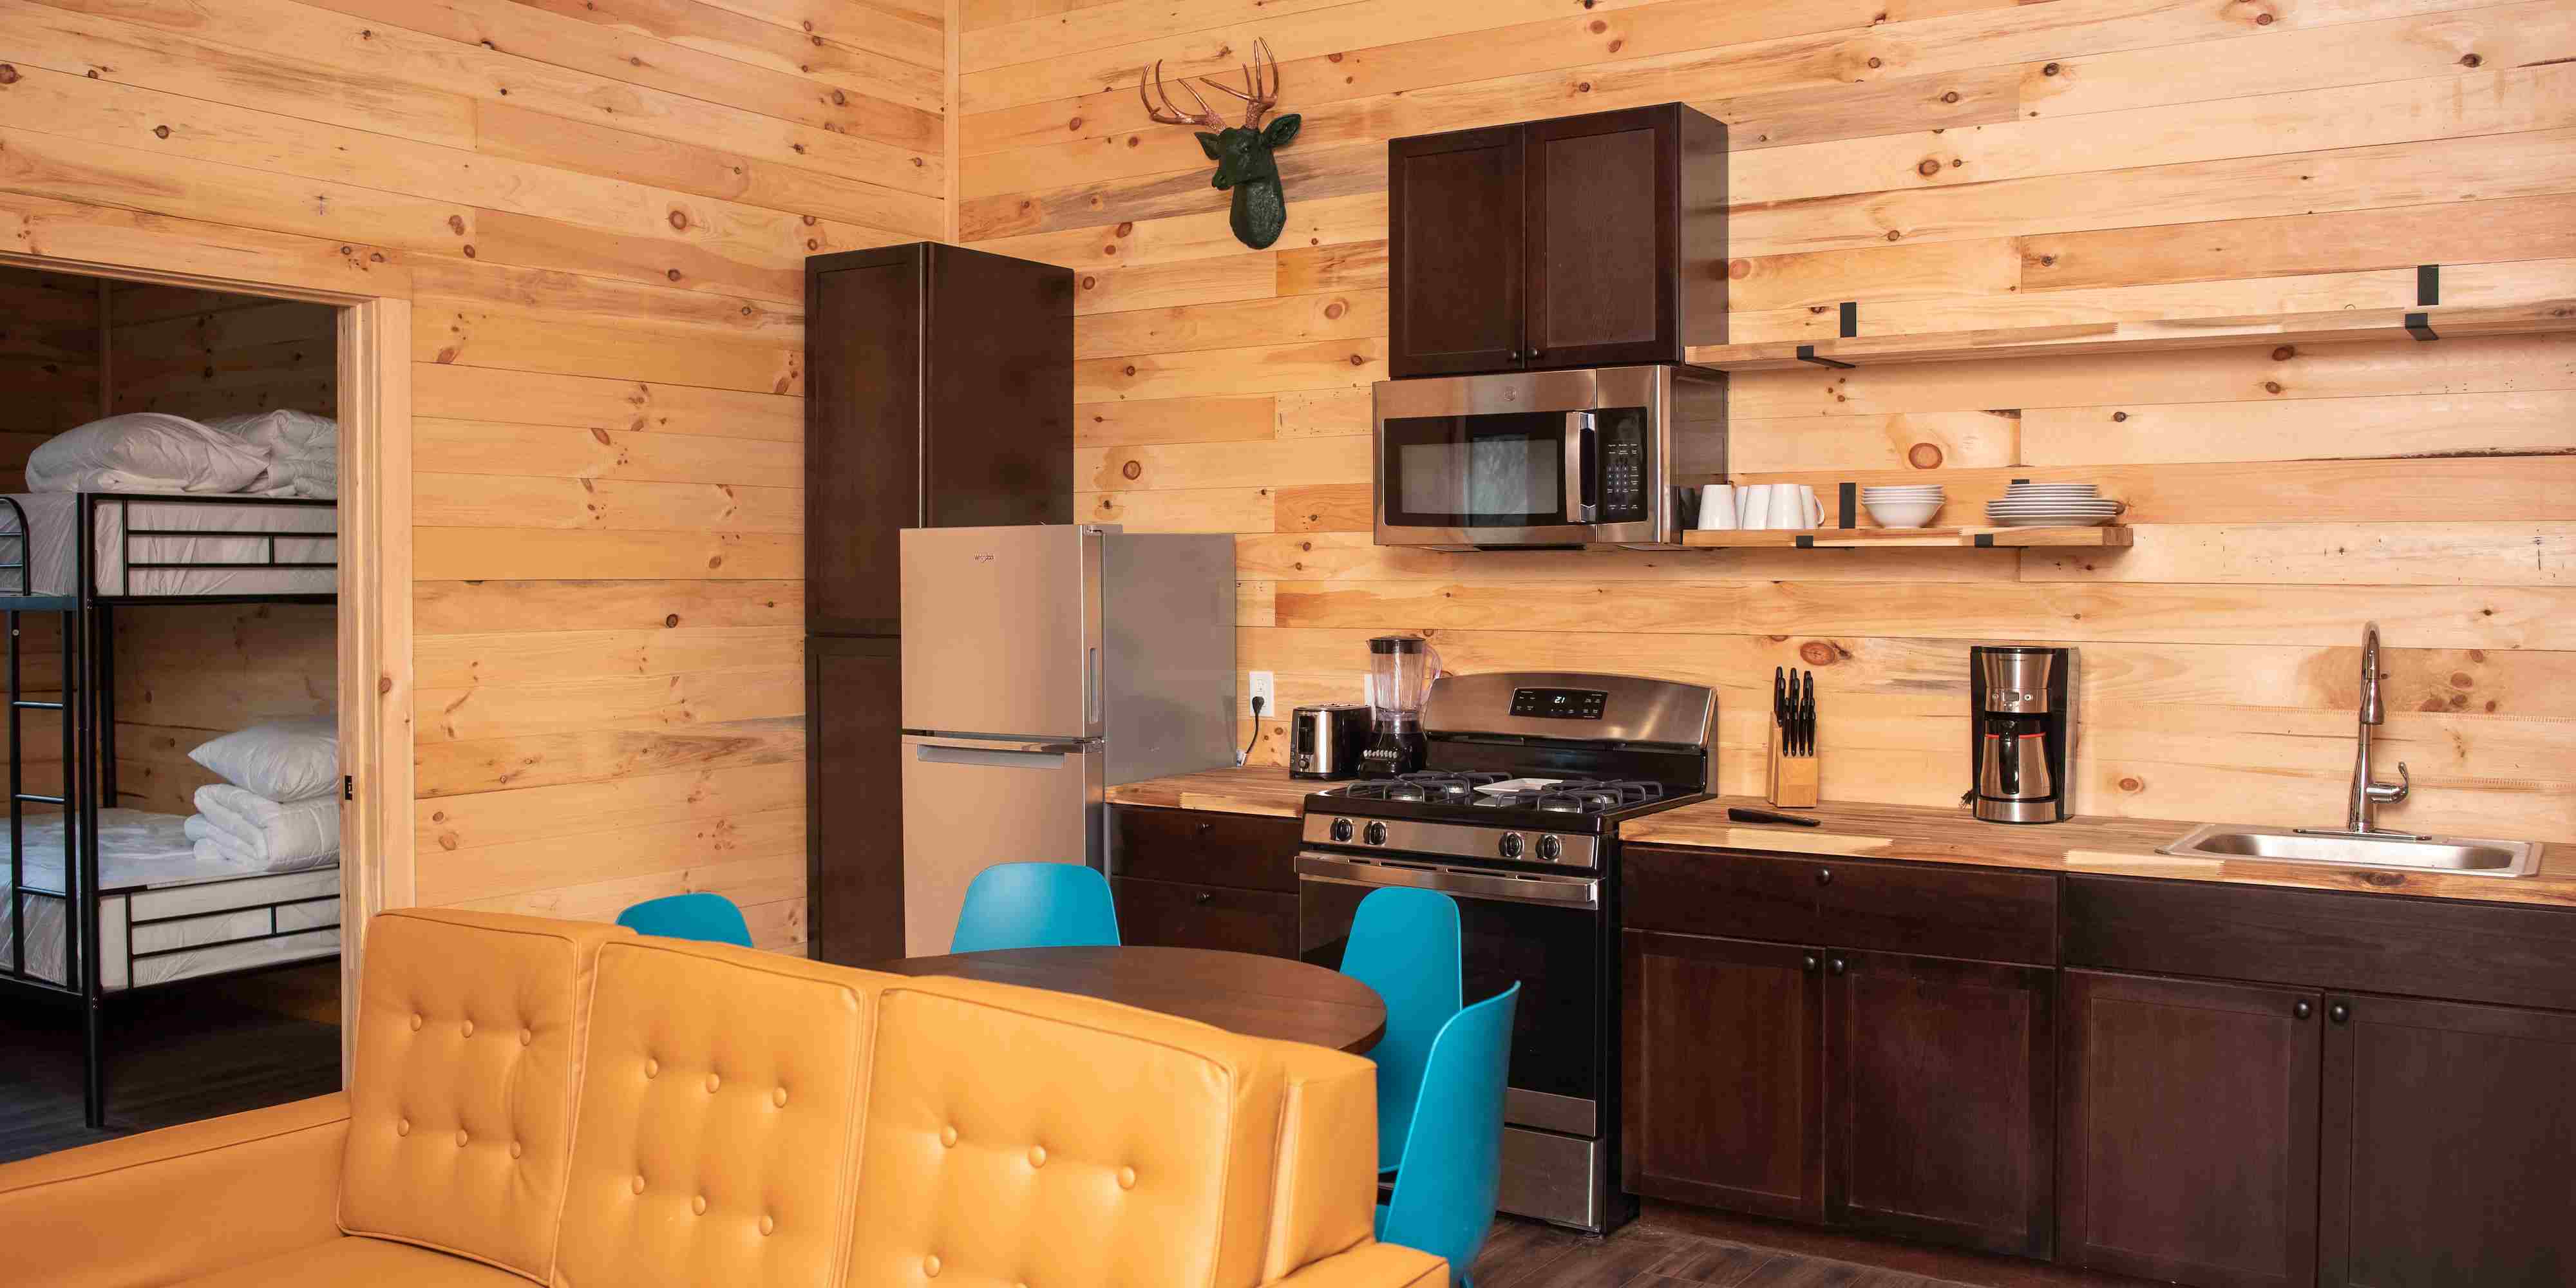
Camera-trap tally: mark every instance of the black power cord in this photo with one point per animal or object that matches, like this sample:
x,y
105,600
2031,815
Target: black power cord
x,y
1246,757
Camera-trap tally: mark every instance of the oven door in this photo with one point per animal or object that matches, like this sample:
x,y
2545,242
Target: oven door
x,y
1543,932
1532,458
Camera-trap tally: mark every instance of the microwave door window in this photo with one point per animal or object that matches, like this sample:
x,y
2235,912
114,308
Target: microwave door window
x,y
1500,471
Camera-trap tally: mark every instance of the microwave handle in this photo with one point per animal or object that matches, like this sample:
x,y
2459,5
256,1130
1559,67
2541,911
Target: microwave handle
x,y
1582,436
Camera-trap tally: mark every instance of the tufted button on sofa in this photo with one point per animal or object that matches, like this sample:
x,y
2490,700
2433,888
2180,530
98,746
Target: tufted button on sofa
x,y
507,1121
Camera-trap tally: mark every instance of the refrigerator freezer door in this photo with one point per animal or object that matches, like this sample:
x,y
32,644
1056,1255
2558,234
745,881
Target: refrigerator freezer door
x,y
969,803
1001,631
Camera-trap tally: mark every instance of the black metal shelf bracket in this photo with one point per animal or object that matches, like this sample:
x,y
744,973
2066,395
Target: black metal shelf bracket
x,y
1807,353
2420,326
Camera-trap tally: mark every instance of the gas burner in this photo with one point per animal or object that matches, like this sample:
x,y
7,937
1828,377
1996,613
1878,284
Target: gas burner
x,y
1439,788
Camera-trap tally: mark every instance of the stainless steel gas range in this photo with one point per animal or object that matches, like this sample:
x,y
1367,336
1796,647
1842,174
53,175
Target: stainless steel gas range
x,y
1534,868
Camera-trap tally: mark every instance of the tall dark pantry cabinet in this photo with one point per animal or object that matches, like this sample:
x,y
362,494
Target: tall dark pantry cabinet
x,y
939,393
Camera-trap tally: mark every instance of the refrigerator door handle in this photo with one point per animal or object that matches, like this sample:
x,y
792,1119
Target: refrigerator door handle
x,y
1091,686
1001,753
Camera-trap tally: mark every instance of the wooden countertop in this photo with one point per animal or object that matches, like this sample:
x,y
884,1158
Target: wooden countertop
x,y
1249,789
2087,844
2090,844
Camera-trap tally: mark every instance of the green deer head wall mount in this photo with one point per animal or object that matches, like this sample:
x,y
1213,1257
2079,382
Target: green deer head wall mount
x,y
1242,152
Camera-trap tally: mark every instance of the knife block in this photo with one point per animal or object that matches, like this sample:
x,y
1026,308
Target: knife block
x,y
1792,780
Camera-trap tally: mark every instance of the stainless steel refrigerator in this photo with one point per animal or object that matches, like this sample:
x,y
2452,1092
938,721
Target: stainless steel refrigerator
x,y
1042,666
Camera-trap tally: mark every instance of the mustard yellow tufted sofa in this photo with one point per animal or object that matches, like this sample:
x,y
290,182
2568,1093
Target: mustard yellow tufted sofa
x,y
569,1104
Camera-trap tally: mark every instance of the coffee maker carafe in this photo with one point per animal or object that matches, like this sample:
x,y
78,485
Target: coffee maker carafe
x,y
1401,669
2021,732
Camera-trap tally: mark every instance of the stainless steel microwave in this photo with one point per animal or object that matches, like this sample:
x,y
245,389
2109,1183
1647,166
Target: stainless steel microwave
x,y
1546,458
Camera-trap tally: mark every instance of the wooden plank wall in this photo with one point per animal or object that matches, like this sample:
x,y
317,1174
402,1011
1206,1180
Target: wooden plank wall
x,y
1949,164
203,354
600,210
49,362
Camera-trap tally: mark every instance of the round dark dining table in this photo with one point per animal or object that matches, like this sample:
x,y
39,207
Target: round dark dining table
x,y
1266,997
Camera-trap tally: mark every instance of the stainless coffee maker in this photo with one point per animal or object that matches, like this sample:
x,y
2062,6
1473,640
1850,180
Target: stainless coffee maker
x,y
2021,734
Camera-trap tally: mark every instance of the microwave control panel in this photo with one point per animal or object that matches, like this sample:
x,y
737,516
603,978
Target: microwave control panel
x,y
1623,465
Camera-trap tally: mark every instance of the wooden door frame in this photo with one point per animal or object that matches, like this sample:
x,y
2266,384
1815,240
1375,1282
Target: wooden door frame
x,y
375,595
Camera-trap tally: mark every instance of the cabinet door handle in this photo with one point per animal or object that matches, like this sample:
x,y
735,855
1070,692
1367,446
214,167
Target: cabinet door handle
x,y
1811,961
2338,1012
1824,876
1836,965
2303,1010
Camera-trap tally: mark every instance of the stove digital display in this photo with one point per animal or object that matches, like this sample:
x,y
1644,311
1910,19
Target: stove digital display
x,y
1559,704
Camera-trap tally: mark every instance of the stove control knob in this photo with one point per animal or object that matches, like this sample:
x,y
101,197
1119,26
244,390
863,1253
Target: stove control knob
x,y
1511,845
1550,848
1342,829
1375,835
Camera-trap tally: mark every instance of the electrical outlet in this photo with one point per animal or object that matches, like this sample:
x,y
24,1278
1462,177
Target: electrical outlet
x,y
1264,692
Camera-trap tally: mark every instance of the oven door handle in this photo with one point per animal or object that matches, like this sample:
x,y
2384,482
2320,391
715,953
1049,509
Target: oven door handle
x,y
1561,892
1582,433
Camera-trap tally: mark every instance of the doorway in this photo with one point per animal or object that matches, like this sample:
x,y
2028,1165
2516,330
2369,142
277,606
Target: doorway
x,y
191,612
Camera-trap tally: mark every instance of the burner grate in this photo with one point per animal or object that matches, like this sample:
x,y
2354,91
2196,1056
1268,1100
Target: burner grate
x,y
1571,796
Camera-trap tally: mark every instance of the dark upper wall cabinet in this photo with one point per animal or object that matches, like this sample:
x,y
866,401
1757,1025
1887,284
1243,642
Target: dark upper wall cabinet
x,y
1585,241
939,393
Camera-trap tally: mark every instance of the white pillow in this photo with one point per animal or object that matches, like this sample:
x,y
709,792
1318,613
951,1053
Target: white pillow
x,y
144,449
283,431
283,760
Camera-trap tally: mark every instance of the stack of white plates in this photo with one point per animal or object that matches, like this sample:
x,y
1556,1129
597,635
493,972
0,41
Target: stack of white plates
x,y
2053,505
1902,507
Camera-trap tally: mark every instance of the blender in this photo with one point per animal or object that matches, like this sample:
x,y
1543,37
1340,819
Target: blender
x,y
1401,669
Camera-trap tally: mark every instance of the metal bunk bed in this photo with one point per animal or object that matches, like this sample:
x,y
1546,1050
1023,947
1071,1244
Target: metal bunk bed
x,y
88,707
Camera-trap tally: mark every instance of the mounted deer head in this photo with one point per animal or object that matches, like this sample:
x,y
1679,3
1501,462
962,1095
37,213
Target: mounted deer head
x,y
1242,152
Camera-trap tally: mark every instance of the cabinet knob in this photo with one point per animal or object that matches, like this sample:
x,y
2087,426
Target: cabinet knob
x,y
1836,966
2303,1010
1532,355
1824,876
1203,899
2338,1012
1207,825
1811,961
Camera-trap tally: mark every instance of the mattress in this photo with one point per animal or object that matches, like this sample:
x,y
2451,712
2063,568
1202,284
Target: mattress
x,y
54,516
164,913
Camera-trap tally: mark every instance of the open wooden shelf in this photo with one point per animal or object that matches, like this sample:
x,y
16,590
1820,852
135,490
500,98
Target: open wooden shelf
x,y
2340,327
1873,538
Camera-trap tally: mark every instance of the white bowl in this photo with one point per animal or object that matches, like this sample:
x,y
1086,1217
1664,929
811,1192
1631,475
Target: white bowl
x,y
1903,514
1894,493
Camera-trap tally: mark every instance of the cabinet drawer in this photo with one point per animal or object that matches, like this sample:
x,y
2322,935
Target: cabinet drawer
x,y
1717,892
1241,851
1914,908
2444,948
1171,914
1938,912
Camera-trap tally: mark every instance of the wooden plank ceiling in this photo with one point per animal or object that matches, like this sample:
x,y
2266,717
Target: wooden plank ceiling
x,y
600,209
1952,165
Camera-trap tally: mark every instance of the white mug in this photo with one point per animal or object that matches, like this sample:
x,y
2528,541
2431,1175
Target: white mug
x,y
1805,511
1717,507
1783,506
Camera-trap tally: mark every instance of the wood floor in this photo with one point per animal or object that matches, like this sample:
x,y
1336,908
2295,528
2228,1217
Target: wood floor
x,y
1671,1247
191,1051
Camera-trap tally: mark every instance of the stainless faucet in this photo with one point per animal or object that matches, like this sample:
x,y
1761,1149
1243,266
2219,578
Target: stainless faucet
x,y
2361,817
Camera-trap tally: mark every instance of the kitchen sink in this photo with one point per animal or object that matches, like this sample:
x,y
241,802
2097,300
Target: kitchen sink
x,y
2463,855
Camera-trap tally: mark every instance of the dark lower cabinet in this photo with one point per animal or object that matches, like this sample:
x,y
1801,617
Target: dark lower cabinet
x,y
1174,915
2189,1130
2449,1144
1725,1071
854,797
1940,1099
1186,878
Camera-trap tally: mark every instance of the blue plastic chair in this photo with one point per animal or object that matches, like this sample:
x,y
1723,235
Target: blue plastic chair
x,y
1453,1156
709,917
1036,905
1404,944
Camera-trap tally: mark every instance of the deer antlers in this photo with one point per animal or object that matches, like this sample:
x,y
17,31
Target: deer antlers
x,y
1264,93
